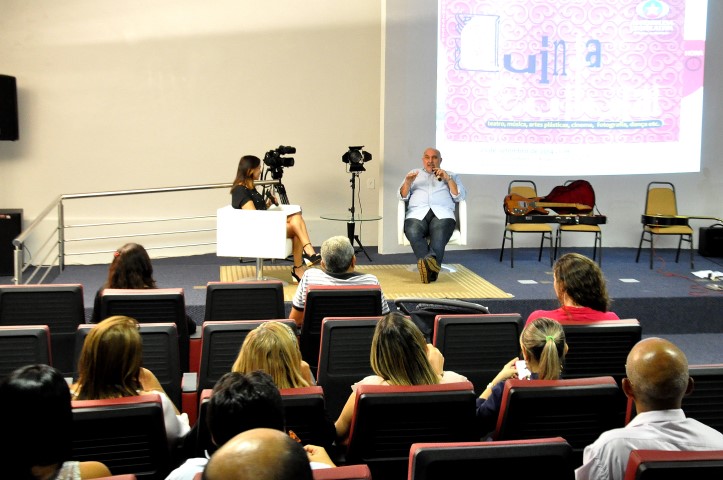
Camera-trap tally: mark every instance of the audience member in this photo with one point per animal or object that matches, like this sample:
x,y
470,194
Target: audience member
x,y
274,348
337,268
580,287
131,268
431,194
245,196
109,366
657,380
241,402
259,454
36,425
399,355
543,348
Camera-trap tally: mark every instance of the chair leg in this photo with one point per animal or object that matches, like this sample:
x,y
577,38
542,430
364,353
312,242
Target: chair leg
x,y
558,242
640,246
598,240
691,253
502,250
542,244
652,249
543,237
512,250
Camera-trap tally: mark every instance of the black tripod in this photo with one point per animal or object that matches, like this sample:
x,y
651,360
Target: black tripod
x,y
351,224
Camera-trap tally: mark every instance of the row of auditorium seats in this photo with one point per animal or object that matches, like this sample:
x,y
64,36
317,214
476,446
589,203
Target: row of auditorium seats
x,y
473,345
61,307
387,422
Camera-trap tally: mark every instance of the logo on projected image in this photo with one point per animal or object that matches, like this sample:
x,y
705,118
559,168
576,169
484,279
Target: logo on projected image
x,y
652,9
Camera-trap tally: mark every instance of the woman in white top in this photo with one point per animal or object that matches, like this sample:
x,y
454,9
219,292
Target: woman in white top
x,y
399,355
110,367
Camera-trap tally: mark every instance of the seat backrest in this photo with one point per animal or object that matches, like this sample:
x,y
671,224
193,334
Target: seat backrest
x,y
424,311
306,416
343,472
476,346
220,345
344,357
660,199
253,300
334,301
599,348
533,458
669,465
153,305
525,188
160,355
251,233
127,434
387,420
705,403
61,307
578,410
23,345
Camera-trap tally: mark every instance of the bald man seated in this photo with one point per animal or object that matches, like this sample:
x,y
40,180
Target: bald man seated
x,y
259,454
657,380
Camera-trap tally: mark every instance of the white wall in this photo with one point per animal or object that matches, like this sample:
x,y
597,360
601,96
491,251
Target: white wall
x,y
116,96
138,94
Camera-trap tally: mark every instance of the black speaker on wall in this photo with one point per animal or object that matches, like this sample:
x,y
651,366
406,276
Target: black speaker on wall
x,y
10,226
8,108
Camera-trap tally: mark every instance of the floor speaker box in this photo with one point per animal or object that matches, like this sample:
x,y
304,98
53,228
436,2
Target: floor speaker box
x,y
10,227
8,108
710,241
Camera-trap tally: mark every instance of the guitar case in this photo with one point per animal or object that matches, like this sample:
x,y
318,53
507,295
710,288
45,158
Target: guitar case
x,y
578,191
710,240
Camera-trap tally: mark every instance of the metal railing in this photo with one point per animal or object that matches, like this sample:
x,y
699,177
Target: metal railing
x,y
50,246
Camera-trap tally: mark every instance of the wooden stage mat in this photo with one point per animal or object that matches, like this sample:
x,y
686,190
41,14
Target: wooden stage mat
x,y
398,281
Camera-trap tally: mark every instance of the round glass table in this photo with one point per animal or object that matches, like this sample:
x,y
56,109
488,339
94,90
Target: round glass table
x,y
351,221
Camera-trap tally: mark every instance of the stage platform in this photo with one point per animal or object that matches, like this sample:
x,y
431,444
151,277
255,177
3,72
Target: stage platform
x,y
668,300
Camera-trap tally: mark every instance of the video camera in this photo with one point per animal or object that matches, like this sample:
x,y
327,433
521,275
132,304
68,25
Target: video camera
x,y
276,162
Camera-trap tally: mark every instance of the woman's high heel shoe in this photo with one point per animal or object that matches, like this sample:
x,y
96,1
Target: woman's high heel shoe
x,y
296,278
310,259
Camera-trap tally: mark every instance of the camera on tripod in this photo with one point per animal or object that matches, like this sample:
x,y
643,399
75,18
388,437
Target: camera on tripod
x,y
276,162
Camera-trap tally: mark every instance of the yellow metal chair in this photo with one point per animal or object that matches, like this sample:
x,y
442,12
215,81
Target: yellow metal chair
x,y
660,199
597,242
528,189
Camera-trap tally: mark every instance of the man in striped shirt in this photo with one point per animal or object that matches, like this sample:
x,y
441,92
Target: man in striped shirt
x,y
337,268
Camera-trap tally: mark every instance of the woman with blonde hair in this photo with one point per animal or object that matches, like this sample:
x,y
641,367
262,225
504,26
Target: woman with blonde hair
x,y
110,366
543,348
400,355
274,348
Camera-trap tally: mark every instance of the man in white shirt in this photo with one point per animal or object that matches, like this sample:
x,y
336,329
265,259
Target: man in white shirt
x,y
337,268
657,380
431,194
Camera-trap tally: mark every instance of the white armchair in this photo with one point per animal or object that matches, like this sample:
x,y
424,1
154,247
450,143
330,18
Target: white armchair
x,y
459,236
253,233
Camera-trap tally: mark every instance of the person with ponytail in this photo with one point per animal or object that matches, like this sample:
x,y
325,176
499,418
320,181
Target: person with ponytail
x,y
543,348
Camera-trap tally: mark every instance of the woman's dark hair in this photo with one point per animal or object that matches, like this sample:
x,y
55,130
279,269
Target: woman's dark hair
x,y
243,173
131,268
582,280
240,402
36,420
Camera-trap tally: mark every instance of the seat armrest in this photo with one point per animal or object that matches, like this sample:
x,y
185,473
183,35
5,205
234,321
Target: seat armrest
x,y
401,213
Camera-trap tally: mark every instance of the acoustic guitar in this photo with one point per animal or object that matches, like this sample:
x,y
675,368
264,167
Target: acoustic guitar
x,y
671,220
515,204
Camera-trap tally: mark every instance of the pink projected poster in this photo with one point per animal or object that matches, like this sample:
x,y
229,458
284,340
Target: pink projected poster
x,y
565,72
